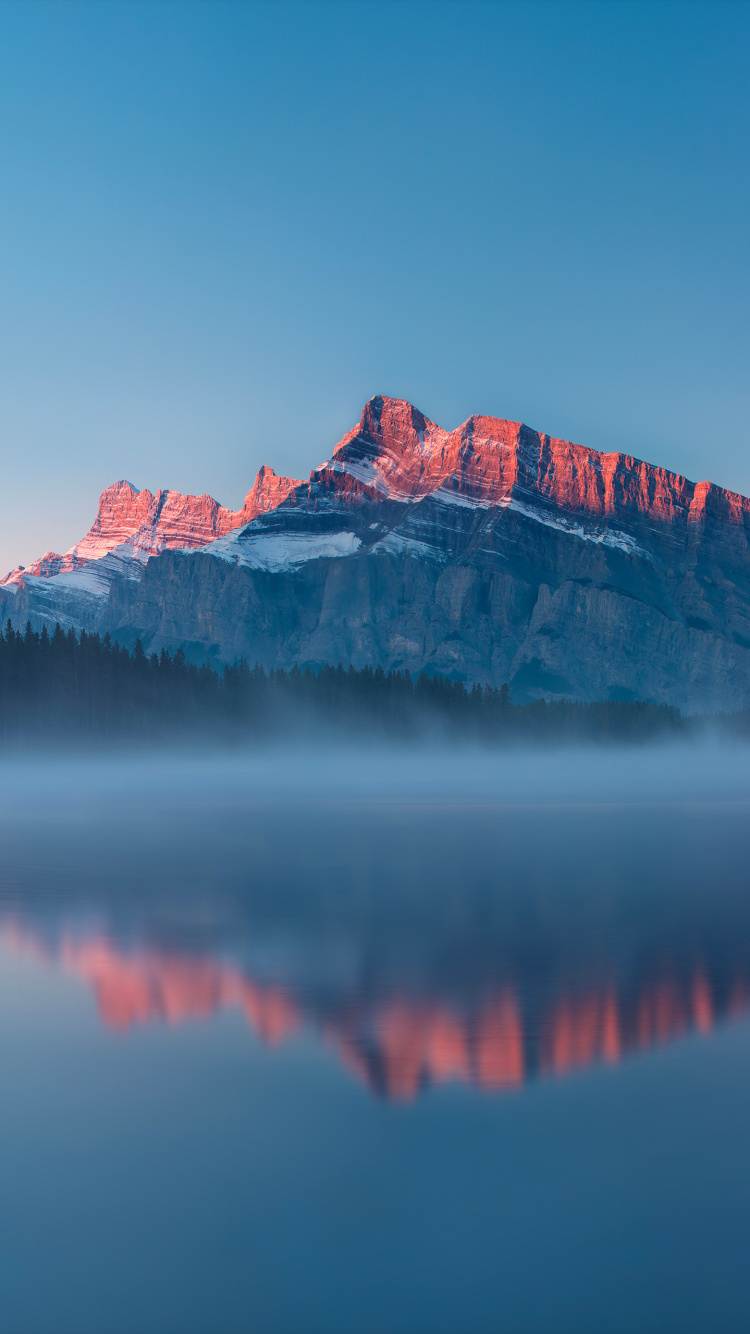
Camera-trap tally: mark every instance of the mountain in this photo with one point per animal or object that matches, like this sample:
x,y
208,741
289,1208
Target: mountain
x,y
491,552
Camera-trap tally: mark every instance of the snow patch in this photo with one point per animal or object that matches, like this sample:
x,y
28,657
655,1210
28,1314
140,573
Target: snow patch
x,y
74,581
609,537
446,497
364,472
369,474
394,544
282,551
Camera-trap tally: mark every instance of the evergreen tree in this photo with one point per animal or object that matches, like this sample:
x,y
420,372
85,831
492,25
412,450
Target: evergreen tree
x,y
78,686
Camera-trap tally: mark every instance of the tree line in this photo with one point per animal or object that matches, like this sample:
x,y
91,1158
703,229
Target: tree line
x,y
79,686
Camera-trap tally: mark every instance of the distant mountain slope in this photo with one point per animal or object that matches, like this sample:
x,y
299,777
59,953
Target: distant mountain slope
x,y
491,552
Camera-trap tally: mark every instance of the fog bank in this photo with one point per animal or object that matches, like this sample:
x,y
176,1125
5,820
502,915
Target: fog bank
x,y
70,786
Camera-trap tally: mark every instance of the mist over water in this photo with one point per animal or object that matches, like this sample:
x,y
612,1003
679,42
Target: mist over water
x,y
376,1037
707,769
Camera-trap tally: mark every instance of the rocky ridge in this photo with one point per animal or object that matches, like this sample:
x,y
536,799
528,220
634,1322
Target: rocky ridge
x,y
136,525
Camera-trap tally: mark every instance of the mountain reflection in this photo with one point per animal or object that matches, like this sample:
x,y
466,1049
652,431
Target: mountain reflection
x,y
398,1044
422,943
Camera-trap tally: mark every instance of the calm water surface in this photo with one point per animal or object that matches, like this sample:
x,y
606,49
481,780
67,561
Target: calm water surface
x,y
373,1043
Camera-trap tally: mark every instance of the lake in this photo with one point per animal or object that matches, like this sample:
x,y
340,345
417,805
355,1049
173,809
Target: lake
x,y
375,1041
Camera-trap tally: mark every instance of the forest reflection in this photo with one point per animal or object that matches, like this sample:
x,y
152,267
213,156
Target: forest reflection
x,y
399,1044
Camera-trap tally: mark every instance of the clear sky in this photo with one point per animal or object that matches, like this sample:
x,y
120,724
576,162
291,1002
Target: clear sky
x,y
224,226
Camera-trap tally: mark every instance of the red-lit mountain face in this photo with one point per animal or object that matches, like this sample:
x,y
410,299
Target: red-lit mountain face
x,y
133,525
490,552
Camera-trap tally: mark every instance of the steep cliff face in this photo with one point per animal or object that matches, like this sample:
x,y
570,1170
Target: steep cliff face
x,y
266,493
492,552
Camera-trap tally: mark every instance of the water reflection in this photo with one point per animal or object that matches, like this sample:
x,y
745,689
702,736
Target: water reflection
x,y
491,944
286,1061
395,1044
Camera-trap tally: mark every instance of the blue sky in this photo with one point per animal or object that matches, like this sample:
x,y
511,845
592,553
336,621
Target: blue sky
x,y
224,226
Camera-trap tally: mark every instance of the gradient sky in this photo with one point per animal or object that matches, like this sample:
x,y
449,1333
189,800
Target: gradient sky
x,y
224,226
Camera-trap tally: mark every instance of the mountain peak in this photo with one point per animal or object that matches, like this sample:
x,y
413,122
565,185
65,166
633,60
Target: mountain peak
x,y
393,418
122,485
267,493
